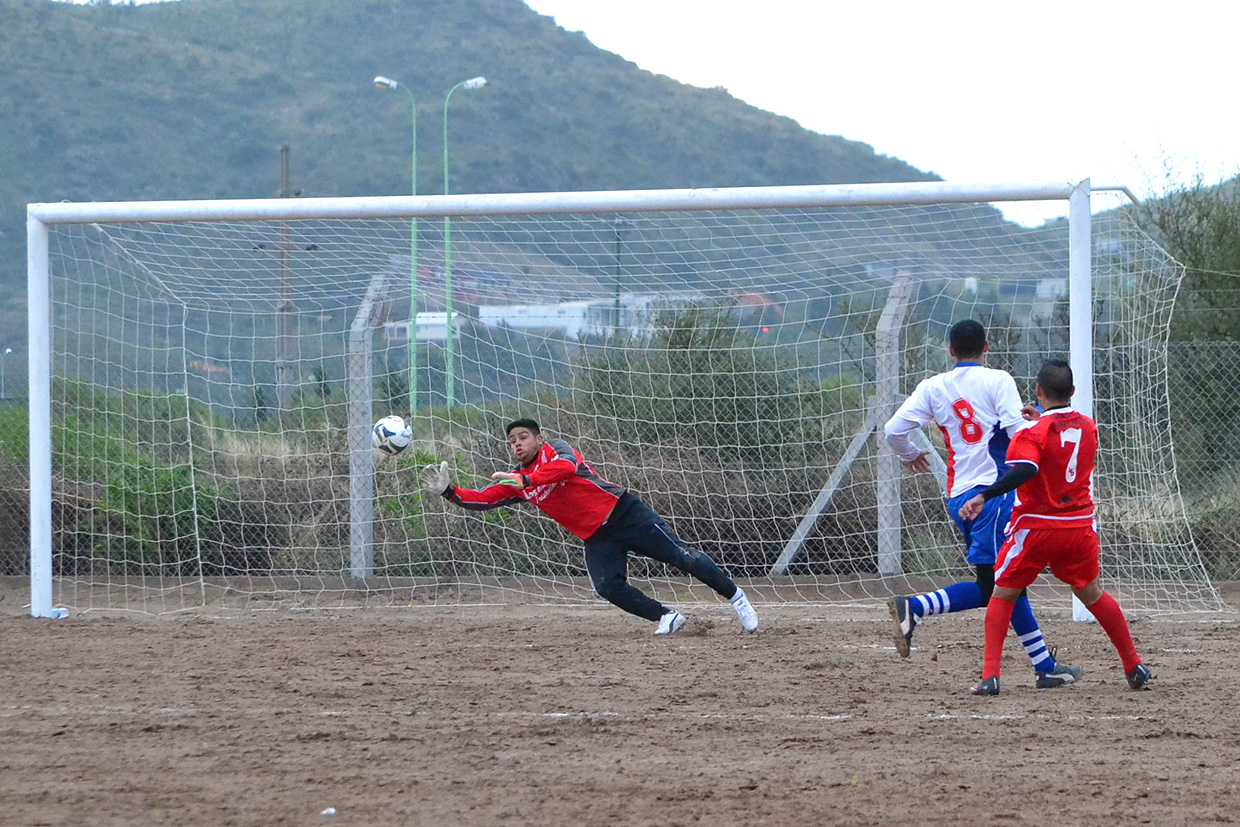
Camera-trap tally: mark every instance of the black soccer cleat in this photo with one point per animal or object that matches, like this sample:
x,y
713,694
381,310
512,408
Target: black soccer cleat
x,y
987,686
1061,675
905,622
1139,676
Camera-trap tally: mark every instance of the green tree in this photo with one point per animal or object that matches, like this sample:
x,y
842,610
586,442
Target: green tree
x,y
706,382
1199,225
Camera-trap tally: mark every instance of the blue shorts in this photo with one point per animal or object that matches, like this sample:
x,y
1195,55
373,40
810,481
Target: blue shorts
x,y
983,536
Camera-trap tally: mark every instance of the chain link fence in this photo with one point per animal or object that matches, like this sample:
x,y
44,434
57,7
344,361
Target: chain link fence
x,y
14,488
1205,428
1204,424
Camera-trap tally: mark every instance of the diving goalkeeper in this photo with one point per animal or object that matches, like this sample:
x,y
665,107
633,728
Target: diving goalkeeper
x,y
610,520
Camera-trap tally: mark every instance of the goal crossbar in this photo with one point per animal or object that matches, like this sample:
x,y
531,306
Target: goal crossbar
x,y
622,201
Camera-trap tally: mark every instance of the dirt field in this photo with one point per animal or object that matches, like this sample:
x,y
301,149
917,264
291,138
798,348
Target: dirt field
x,y
568,716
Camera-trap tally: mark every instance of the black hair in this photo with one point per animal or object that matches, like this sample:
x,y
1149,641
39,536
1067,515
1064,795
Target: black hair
x,y
967,338
523,423
1055,379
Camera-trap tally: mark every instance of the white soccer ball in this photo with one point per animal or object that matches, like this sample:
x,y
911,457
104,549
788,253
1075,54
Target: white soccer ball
x,y
392,434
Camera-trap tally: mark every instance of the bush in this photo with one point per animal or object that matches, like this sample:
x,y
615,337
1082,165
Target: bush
x,y
737,442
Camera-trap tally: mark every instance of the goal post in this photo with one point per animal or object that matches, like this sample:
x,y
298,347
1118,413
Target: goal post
x,y
203,375
38,301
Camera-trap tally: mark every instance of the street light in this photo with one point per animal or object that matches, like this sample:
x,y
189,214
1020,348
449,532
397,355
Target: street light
x,y
472,83
387,83
3,359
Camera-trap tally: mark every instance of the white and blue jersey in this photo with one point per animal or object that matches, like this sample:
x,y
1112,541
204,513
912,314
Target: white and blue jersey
x,y
977,409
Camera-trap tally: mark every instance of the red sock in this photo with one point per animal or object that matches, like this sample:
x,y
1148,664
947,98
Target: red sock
x,y
998,618
1111,619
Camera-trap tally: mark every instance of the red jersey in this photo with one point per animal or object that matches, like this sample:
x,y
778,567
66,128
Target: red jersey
x,y
1061,444
562,485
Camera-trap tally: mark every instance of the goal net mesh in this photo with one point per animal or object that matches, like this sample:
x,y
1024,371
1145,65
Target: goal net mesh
x,y
723,365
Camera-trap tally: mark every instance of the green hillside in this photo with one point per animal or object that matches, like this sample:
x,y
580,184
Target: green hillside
x,y
191,99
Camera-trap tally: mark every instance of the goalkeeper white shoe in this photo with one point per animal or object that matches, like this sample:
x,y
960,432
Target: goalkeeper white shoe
x,y
670,622
745,611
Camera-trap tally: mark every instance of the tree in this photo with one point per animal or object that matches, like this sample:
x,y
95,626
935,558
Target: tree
x,y
1199,225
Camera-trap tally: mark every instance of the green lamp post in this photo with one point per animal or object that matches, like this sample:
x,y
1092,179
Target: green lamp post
x,y
387,83
449,366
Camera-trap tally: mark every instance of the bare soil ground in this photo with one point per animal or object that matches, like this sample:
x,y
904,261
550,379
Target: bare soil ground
x,y
542,715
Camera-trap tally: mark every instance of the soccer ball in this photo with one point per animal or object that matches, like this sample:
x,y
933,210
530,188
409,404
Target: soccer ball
x,y
392,434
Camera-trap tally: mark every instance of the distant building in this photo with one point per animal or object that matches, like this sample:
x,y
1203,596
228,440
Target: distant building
x,y
432,327
571,320
758,312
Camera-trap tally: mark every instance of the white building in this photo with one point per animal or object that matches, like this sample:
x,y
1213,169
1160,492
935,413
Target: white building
x,y
571,320
432,327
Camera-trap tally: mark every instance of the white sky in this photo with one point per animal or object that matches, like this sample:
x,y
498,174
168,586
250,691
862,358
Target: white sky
x,y
1000,91
976,91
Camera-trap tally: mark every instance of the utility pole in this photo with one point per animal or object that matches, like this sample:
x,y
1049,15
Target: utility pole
x,y
620,224
286,378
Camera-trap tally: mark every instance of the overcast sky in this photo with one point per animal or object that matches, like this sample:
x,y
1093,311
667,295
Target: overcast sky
x,y
977,92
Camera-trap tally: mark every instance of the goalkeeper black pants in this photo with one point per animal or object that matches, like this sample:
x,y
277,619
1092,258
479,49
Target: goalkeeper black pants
x,y
635,527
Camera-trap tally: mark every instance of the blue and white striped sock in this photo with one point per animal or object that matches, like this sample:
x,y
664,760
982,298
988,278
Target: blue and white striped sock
x,y
957,597
1026,628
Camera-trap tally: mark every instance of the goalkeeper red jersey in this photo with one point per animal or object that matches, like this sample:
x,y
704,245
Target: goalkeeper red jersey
x,y
562,485
1062,444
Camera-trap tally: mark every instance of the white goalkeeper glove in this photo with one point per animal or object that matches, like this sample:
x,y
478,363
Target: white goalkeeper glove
x,y
435,479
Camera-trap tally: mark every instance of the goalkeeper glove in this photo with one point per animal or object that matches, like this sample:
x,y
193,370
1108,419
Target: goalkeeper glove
x,y
513,478
435,479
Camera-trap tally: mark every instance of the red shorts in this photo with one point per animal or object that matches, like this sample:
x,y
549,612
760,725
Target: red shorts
x,y
1070,553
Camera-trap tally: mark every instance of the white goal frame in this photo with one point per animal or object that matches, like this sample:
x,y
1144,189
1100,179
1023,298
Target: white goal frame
x,y
40,217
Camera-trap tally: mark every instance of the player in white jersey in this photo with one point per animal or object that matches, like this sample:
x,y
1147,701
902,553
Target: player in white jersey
x,y
977,409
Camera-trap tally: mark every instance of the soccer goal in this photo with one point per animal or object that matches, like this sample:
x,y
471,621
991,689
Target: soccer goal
x,y
204,376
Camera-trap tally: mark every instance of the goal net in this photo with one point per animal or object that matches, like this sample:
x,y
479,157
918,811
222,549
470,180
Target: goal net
x,y
212,380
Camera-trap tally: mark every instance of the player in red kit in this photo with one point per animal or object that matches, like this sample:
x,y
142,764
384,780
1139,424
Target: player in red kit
x,y
978,410
611,521
1051,469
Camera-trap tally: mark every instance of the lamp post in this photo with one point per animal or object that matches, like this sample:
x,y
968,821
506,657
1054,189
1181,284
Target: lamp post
x,y
4,358
387,83
449,367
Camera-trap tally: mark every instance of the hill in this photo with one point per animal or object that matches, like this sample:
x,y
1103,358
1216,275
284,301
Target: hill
x,y
192,99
